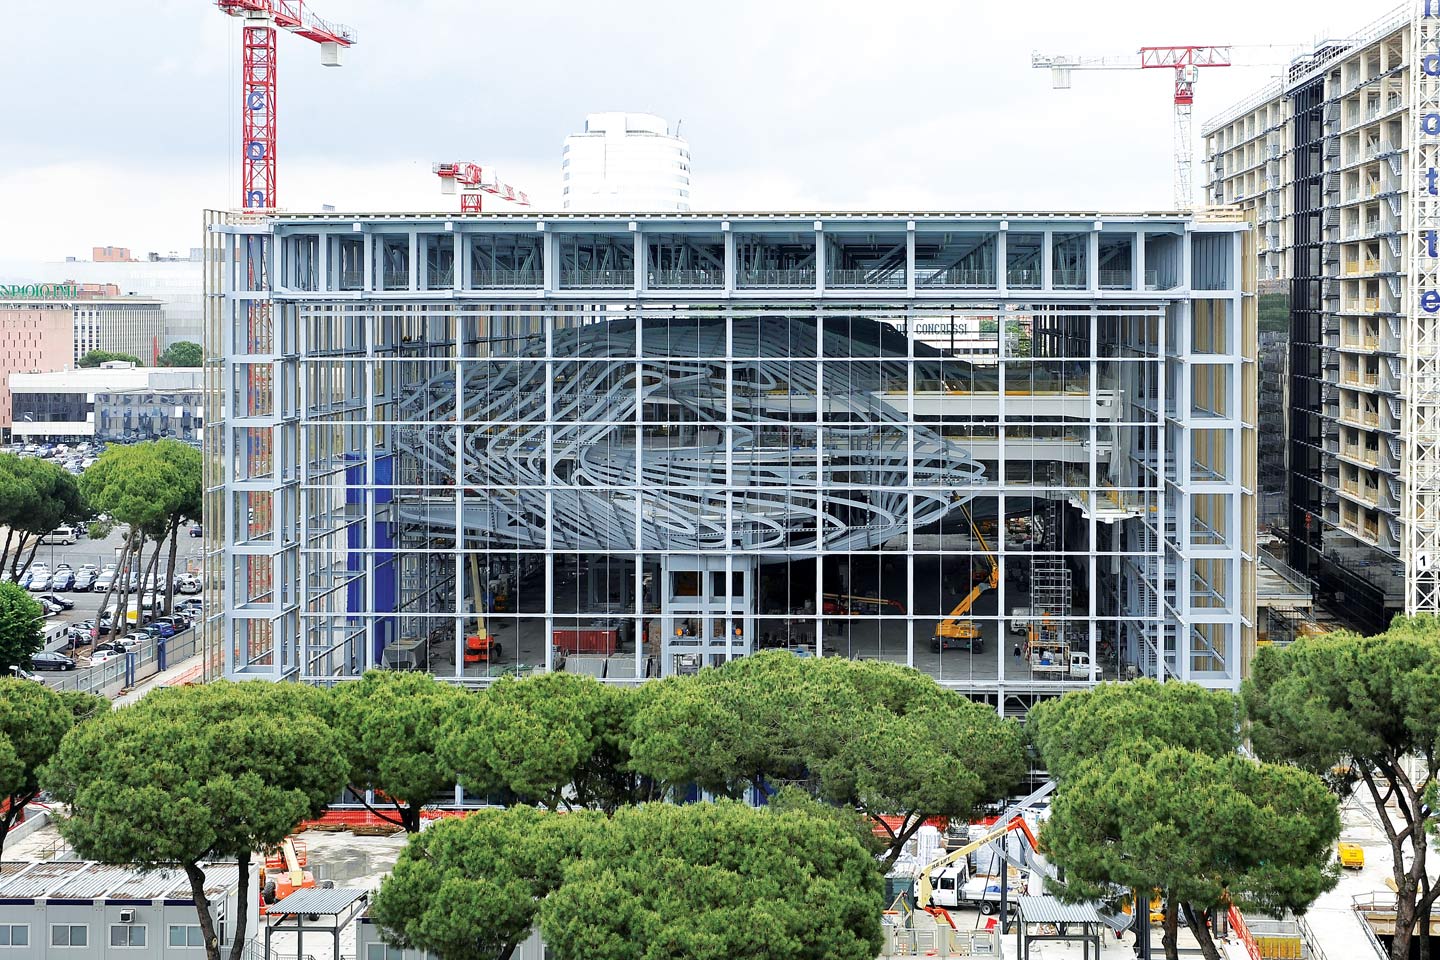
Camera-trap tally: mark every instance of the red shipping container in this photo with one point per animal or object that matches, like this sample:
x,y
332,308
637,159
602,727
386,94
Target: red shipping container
x,y
585,640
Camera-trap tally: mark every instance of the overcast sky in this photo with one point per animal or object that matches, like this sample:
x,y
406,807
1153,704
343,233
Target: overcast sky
x,y
120,121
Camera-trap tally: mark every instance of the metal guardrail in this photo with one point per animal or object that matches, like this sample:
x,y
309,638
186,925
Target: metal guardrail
x,y
132,667
1313,950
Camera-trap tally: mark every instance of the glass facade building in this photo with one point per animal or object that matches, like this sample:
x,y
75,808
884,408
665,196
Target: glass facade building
x,y
1014,451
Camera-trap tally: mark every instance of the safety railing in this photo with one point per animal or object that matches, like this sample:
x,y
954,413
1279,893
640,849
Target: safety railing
x,y
788,277
575,278
954,277
846,277
497,278
1068,279
684,278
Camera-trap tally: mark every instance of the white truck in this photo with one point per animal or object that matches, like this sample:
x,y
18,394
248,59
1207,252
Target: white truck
x,y
955,887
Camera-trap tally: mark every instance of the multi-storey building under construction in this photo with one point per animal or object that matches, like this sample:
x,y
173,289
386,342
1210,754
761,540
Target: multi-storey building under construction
x,y
1334,163
1015,451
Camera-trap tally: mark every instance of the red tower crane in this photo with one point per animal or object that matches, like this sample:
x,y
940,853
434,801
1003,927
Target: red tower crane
x,y
1186,61
257,83
471,181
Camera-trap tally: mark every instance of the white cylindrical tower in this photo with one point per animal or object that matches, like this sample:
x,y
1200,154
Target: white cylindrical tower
x,y
626,161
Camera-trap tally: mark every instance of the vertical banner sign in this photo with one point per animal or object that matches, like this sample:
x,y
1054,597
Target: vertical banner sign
x,y
1420,344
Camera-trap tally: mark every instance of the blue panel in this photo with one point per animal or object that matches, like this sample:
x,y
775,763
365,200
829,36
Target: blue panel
x,y
384,589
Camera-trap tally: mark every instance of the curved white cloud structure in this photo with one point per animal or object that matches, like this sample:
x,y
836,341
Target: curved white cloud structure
x,y
782,480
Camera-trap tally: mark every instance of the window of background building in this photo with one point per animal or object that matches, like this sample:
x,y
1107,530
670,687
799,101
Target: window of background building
x,y
186,935
127,934
69,935
14,935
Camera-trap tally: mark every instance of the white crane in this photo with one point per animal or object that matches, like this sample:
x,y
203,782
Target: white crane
x,y
1186,62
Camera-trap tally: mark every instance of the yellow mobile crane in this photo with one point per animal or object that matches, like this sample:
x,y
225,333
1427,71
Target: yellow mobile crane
x,y
955,632
947,881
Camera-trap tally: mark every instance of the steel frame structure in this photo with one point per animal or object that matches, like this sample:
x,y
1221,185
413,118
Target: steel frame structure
x,y
725,447
1420,515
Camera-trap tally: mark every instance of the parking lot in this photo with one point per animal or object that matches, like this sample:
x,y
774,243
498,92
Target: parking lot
x,y
87,605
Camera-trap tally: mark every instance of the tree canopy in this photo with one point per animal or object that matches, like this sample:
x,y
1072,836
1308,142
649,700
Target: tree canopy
x,y
33,721
150,487
36,496
1154,795
94,358
1204,830
652,882
184,353
471,887
389,726
878,737
1352,709
553,739
193,774
22,627
716,880
1081,725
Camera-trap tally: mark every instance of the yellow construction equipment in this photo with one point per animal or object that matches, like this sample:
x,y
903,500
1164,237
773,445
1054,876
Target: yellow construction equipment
x,y
956,632
925,884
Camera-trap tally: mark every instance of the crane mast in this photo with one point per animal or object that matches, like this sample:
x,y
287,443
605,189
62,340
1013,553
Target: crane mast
x,y
260,20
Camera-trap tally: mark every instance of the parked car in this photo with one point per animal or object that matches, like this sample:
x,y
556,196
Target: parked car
x,y
51,660
160,628
18,671
102,582
124,644
174,623
37,582
196,530
188,583
63,580
62,535
48,608
80,630
58,600
84,580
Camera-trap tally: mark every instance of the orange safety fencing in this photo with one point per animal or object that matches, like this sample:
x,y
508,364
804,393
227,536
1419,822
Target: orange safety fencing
x,y
1237,924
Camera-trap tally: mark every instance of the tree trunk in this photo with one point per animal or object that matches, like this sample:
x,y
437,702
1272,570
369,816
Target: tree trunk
x,y
34,548
15,560
1195,920
1404,923
150,574
170,581
1170,935
5,555
122,604
110,591
242,908
202,909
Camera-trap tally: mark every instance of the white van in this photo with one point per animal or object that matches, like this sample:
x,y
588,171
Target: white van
x,y
62,535
1020,620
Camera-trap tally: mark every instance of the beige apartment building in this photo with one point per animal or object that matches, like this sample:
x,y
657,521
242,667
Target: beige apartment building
x,y
1323,160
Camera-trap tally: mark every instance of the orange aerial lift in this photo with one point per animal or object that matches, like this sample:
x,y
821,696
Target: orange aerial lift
x,y
956,632
283,873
